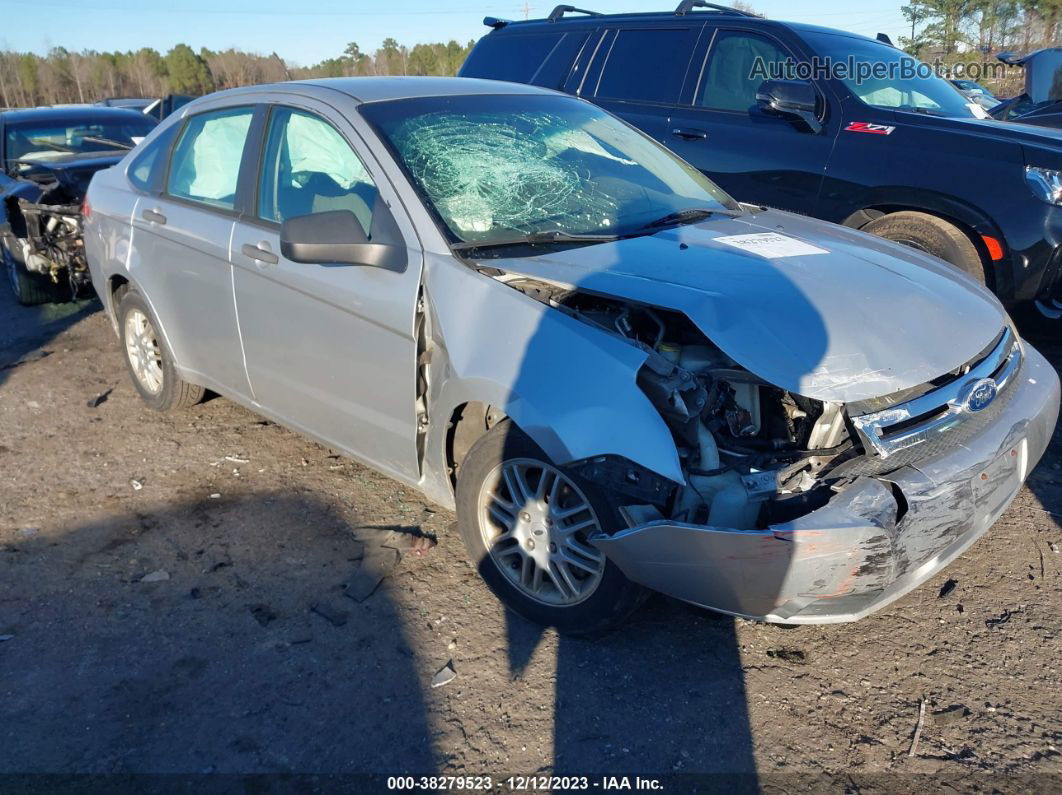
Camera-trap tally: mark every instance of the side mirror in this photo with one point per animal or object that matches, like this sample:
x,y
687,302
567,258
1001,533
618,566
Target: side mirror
x,y
336,238
792,98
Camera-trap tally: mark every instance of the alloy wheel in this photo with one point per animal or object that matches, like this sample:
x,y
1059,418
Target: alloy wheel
x,y
535,523
142,348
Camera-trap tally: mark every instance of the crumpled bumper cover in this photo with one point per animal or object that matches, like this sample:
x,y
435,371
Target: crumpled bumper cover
x,y
852,556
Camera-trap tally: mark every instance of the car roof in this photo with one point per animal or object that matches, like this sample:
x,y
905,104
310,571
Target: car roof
x,y
381,89
75,113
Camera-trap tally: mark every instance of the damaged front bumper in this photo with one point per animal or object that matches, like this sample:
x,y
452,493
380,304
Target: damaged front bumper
x,y
869,545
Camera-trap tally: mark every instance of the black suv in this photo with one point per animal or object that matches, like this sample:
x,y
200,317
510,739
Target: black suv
x,y
768,111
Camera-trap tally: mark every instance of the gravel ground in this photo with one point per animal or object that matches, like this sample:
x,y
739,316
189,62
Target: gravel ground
x,y
171,600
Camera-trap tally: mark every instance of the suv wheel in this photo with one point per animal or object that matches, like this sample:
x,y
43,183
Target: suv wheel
x,y
525,523
932,235
148,361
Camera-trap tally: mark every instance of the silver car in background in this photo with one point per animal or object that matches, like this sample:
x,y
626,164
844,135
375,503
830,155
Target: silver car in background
x,y
618,376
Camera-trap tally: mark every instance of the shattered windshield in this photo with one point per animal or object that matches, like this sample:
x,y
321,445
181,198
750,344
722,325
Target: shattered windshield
x,y
497,167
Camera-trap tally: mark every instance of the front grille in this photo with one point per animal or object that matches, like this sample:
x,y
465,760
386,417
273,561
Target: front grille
x,y
956,436
942,417
1051,281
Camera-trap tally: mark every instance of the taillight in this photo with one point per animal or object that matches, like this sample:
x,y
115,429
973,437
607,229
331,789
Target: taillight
x,y
86,210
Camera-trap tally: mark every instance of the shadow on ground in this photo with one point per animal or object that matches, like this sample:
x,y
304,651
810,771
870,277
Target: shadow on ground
x,y
1045,481
615,713
211,636
25,331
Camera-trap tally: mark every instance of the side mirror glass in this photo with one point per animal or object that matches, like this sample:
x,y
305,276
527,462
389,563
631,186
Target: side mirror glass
x,y
790,98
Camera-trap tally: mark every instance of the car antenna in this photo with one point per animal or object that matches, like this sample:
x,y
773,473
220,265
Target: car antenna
x,y
884,39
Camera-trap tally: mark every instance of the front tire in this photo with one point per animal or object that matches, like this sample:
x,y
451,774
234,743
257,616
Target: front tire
x,y
932,235
525,523
30,288
149,363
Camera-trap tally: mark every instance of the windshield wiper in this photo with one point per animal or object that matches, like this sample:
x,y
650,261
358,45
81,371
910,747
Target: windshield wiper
x,y
537,238
687,216
54,146
107,142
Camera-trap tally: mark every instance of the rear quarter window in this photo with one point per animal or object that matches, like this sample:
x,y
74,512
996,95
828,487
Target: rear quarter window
x,y
510,56
149,166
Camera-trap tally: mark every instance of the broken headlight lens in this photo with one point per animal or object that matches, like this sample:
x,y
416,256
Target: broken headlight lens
x,y
1045,183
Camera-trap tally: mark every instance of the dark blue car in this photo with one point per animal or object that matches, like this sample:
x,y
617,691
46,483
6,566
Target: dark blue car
x,y
47,158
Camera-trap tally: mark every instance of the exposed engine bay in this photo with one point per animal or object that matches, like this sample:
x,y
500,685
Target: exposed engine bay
x,y
753,454
43,232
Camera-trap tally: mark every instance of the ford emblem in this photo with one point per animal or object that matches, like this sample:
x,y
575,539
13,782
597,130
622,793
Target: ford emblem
x,y
979,395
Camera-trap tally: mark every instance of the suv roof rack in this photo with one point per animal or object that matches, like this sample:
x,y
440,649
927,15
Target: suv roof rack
x,y
560,11
686,6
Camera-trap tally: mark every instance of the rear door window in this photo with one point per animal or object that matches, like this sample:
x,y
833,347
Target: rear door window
x,y
206,161
737,64
647,65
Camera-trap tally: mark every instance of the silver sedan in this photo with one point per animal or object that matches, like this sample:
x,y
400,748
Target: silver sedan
x,y
621,378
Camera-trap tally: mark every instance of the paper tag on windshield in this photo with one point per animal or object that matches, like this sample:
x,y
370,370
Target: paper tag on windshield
x,y
978,111
771,245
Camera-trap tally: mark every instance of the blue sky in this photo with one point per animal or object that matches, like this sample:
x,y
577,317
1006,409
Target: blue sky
x,y
307,31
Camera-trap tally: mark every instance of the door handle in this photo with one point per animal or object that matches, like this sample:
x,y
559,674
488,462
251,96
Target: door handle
x,y
689,133
154,216
259,254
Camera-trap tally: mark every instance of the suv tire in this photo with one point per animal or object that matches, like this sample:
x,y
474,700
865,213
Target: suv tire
x,y
932,235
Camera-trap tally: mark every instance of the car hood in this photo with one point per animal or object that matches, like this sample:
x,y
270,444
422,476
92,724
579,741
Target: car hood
x,y
1004,132
863,319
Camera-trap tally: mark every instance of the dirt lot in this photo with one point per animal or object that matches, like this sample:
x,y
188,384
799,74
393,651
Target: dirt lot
x,y
171,600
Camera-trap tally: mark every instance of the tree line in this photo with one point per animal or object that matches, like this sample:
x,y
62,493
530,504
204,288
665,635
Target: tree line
x,y
964,31
62,76
959,33
954,31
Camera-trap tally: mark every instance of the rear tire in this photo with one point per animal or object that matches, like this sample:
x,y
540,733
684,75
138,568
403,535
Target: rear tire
x,y
149,362
568,584
30,288
932,235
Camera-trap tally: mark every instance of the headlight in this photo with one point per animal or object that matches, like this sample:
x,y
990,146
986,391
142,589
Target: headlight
x,y
1045,183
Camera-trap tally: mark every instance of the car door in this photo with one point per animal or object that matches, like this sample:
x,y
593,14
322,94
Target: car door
x,y
182,248
755,156
330,348
638,72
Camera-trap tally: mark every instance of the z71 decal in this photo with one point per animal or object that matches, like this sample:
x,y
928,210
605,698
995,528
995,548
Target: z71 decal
x,y
867,127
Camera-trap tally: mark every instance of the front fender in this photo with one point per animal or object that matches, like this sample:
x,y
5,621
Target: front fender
x,y
569,386
893,198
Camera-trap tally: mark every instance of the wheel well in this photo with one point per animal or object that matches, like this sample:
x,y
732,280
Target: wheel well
x,y
467,424
861,218
115,290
